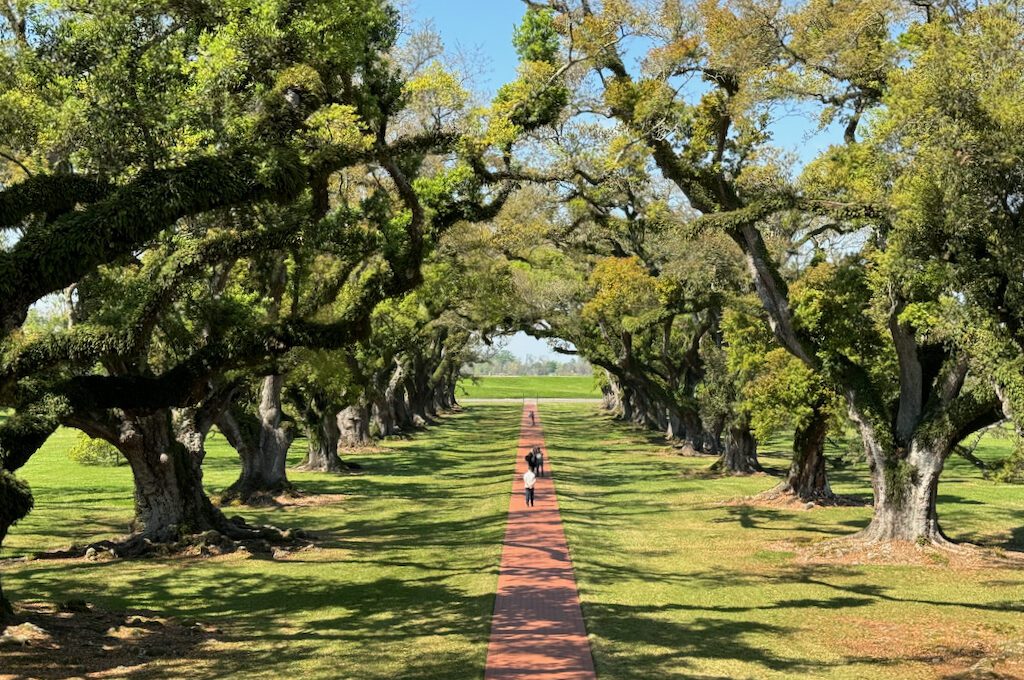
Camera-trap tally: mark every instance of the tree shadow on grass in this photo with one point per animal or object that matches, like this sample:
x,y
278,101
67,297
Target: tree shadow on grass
x,y
753,517
273,623
634,640
837,578
381,584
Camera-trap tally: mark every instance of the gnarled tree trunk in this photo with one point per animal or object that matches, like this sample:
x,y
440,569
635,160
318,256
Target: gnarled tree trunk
x,y
15,503
354,426
262,446
400,404
169,497
906,490
693,430
740,454
322,454
807,478
714,436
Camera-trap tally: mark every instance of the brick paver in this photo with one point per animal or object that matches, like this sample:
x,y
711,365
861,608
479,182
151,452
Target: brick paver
x,y
537,631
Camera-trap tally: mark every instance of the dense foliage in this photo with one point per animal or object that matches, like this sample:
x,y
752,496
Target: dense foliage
x,y
285,218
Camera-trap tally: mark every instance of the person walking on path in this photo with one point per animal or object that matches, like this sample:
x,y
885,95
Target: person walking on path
x,y
538,461
532,420
529,479
531,459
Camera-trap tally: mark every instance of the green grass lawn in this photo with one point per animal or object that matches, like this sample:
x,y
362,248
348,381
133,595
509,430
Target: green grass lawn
x,y
675,584
401,587
528,387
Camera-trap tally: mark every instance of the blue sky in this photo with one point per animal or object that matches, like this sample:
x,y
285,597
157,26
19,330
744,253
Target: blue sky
x,y
485,27
477,24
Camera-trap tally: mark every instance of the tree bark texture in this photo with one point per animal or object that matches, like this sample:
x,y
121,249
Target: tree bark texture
x,y
740,454
168,480
322,454
354,426
262,446
807,478
906,490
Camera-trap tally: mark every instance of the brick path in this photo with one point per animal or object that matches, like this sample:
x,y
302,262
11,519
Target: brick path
x,y
537,631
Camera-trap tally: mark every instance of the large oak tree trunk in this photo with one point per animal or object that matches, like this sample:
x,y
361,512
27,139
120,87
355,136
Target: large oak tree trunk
x,y
693,430
15,503
612,398
169,498
400,404
386,410
354,426
417,406
714,436
740,454
322,453
807,478
626,404
906,490
264,456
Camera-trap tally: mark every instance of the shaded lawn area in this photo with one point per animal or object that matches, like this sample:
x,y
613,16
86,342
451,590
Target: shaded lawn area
x,y
528,387
675,584
402,585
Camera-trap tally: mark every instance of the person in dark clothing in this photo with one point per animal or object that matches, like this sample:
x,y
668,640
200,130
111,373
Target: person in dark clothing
x,y
530,460
538,461
532,421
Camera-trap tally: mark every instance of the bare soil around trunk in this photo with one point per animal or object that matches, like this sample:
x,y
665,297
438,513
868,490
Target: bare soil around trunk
x,y
79,639
852,550
775,498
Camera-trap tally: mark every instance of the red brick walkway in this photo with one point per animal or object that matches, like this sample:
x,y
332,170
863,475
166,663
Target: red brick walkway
x,y
537,631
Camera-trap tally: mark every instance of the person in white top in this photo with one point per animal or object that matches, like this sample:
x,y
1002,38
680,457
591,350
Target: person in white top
x,y
529,479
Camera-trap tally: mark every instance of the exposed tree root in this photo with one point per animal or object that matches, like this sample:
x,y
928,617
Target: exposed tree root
x,y
858,549
345,466
784,495
684,448
232,535
257,496
750,468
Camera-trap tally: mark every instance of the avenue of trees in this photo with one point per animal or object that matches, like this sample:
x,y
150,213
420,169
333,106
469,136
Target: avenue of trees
x,y
299,218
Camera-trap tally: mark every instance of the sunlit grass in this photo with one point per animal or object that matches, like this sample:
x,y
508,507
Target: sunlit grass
x,y
401,587
676,584
528,387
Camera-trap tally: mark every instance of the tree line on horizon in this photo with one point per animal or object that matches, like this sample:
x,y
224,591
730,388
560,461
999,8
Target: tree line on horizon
x,y
504,363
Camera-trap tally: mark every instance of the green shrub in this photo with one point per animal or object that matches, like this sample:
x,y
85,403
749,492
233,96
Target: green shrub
x,y
1011,470
89,451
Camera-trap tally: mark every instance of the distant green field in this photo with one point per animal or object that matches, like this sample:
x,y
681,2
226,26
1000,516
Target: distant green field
x,y
528,386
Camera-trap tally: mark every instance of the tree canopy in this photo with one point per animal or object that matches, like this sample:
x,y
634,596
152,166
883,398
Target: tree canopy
x,y
284,218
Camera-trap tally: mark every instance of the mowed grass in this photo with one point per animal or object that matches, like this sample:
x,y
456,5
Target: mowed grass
x,y
401,586
528,387
676,584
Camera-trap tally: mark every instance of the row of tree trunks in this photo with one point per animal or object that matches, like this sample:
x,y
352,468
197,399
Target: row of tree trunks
x,y
681,425
806,479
